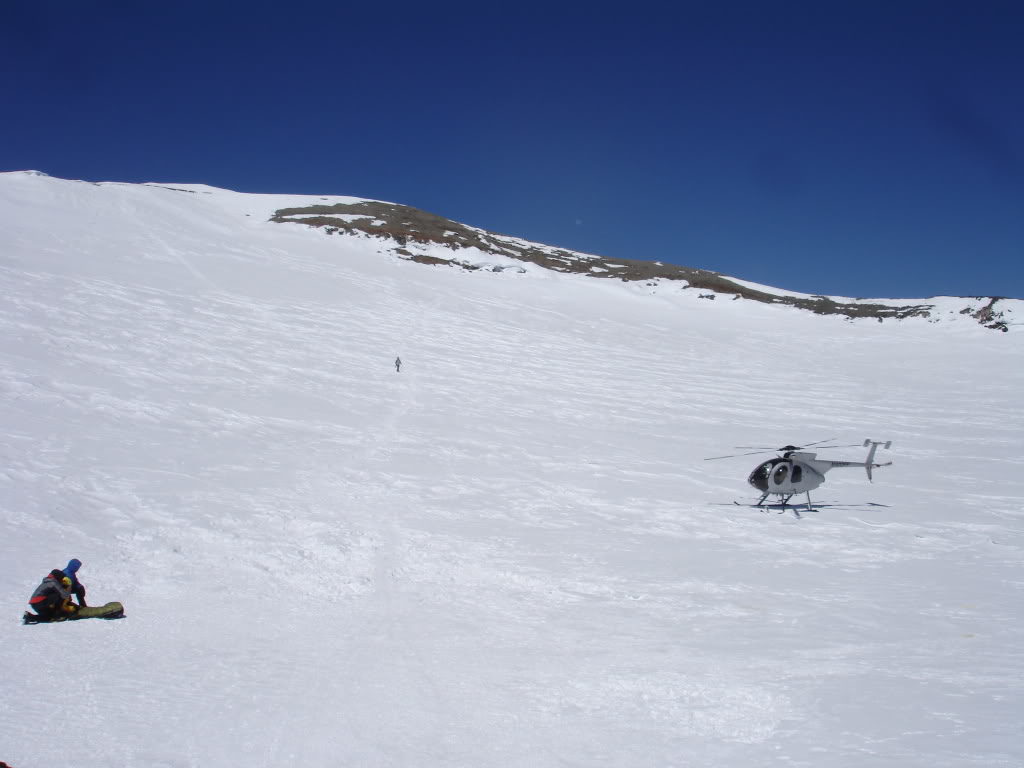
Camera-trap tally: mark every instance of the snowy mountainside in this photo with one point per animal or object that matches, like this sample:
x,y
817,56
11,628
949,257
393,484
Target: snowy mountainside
x,y
511,553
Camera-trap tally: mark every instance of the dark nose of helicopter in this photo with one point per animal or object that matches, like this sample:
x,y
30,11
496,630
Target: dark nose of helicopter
x,y
759,477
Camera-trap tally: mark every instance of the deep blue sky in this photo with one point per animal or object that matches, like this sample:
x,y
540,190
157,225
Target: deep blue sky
x,y
855,148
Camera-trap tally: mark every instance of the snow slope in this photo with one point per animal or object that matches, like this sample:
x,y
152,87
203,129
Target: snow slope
x,y
509,554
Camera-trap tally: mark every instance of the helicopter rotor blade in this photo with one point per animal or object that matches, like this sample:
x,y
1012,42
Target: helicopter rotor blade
x,y
819,442
784,447
734,455
755,449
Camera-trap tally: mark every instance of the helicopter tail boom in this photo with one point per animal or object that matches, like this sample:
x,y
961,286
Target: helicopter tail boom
x,y
868,463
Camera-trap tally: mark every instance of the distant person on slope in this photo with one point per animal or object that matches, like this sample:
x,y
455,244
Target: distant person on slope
x,y
398,364
52,598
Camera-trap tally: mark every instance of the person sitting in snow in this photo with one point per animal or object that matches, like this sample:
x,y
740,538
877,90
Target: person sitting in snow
x,y
52,598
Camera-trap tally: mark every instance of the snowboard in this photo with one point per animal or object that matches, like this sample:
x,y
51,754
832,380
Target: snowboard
x,y
108,611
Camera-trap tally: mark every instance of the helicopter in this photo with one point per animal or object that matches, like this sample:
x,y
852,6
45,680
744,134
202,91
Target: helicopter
x,y
799,471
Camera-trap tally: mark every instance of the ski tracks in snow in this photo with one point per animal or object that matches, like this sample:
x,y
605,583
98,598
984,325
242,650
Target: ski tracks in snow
x,y
385,707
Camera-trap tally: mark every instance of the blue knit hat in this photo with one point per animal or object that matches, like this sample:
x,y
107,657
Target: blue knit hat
x,y
73,565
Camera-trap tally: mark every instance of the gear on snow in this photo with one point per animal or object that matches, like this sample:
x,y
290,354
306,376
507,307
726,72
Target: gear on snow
x,y
109,611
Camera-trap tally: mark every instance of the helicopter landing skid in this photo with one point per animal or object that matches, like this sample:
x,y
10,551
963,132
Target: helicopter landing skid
x,y
784,505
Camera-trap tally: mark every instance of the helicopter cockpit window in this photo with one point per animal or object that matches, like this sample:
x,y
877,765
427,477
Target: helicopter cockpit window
x,y
759,477
798,473
779,476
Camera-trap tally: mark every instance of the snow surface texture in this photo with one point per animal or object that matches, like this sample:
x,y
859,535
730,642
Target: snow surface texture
x,y
509,554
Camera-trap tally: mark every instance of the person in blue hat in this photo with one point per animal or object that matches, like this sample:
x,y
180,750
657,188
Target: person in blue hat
x,y
77,588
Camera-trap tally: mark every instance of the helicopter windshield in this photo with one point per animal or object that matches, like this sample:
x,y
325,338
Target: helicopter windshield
x,y
759,477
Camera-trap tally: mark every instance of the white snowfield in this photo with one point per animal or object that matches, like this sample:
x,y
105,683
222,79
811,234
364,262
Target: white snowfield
x,y
509,554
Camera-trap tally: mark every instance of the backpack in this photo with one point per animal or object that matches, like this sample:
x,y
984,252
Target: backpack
x,y
52,595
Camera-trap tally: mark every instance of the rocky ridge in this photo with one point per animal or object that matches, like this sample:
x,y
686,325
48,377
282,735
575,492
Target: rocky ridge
x,y
409,227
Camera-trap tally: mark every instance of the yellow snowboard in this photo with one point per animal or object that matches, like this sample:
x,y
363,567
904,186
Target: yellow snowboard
x,y
108,611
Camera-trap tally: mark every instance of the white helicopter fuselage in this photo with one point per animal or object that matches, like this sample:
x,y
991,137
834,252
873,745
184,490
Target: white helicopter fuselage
x,y
800,472
790,474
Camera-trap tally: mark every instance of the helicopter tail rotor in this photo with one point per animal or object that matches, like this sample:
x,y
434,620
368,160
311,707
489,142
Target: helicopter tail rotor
x,y
869,462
